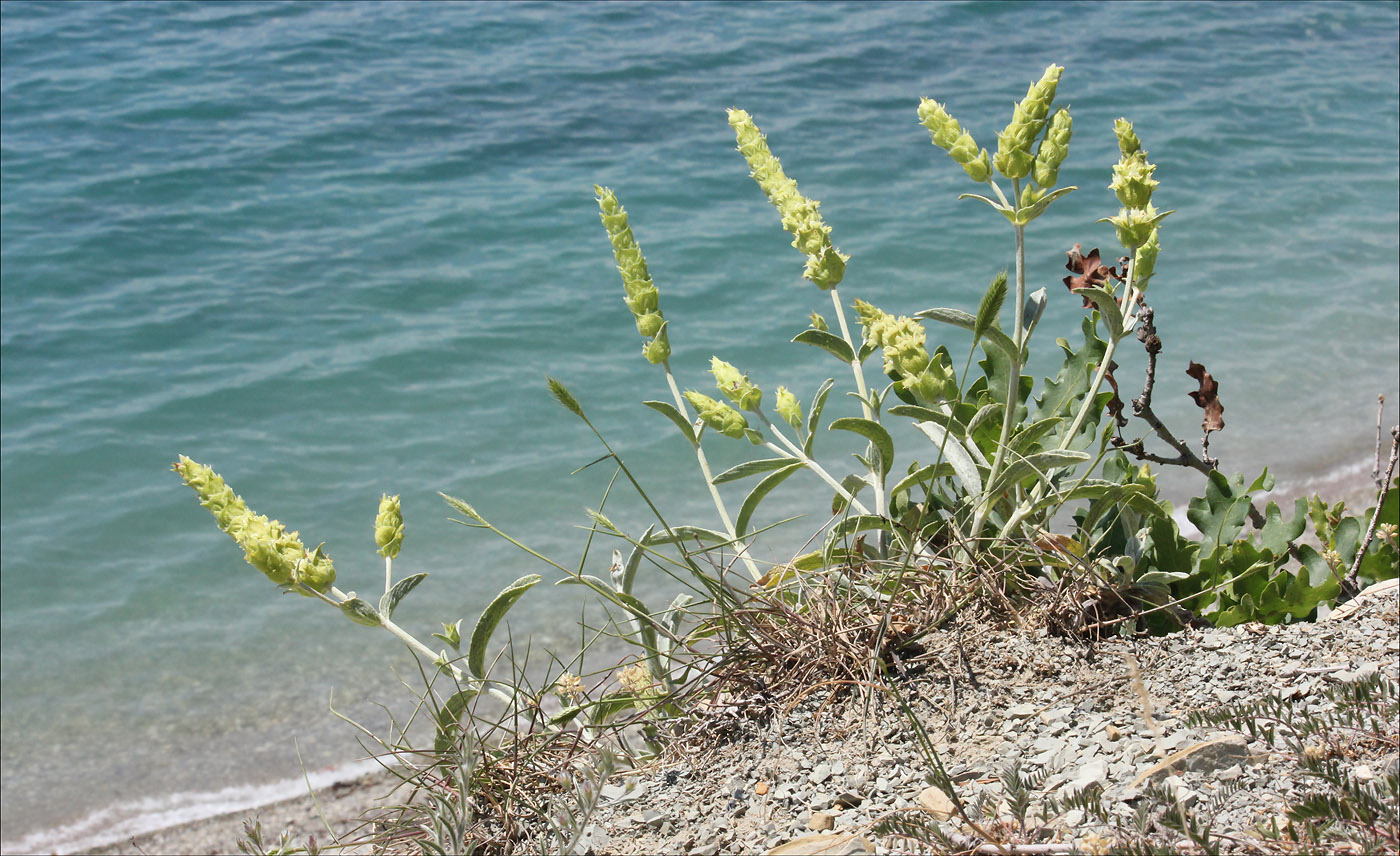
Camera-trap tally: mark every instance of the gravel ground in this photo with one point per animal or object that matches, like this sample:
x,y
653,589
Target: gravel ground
x,y
816,777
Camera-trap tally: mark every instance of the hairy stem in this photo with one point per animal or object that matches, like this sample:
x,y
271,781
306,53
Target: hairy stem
x,y
1376,515
739,545
862,391
795,452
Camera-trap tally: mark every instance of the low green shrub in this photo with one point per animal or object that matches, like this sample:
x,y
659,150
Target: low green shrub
x,y
1022,489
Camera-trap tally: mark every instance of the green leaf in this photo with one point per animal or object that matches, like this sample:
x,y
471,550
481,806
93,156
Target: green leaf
x,y
1035,307
1107,305
990,307
671,413
486,625
921,476
875,433
761,490
832,344
634,561
852,525
1022,216
1023,442
853,485
1278,533
449,718
391,598
751,468
687,533
1038,464
997,205
818,403
1220,513
956,317
964,468
359,611
927,414
1075,375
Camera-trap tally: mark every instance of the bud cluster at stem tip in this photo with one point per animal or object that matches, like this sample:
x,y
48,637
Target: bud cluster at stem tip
x,y
642,296
718,415
1137,221
736,386
906,356
388,527
1014,158
825,264
949,136
267,545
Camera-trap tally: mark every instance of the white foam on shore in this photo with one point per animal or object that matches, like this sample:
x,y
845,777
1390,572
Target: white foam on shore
x,y
138,817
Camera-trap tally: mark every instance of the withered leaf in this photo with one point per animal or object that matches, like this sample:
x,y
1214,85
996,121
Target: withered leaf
x,y
1115,404
1090,269
1206,399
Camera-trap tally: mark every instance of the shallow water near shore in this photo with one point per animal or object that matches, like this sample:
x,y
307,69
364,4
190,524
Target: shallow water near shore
x,y
331,250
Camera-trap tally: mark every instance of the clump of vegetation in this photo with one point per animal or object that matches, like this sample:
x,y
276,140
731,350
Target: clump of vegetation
x,y
1028,496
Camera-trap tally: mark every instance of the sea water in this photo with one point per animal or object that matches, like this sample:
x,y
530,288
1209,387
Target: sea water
x,y
333,250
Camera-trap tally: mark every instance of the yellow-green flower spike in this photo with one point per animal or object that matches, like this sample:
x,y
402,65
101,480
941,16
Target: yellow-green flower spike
x,y
811,236
736,386
789,408
1013,158
1145,261
818,322
906,356
1128,142
641,294
267,545
949,136
718,415
1053,150
388,527
1132,180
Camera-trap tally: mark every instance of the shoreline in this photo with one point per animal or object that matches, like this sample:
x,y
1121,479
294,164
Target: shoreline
x,y
347,792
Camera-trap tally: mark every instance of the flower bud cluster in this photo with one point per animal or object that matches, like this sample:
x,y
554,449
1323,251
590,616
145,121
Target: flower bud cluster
x,y
388,527
1053,149
718,415
949,136
267,545
906,356
1136,222
811,236
636,680
735,386
1013,158
788,407
642,296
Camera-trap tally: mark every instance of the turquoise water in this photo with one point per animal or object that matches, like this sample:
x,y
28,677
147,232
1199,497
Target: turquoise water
x,y
332,250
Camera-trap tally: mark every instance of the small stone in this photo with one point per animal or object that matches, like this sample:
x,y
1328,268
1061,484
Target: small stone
x,y
1363,773
821,821
1231,773
761,788
937,803
1021,711
820,774
849,799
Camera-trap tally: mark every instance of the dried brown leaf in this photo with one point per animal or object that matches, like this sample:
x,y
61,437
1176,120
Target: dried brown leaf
x,y
1206,398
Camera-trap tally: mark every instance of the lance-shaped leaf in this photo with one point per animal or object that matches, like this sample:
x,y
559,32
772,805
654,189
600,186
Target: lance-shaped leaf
x,y
486,625
928,414
1107,305
818,403
449,718
671,413
1039,464
958,318
634,561
1034,308
1022,216
391,598
834,345
359,611
761,490
751,468
923,475
874,432
676,534
964,467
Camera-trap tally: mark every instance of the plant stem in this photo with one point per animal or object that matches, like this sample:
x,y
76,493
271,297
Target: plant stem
x,y
862,391
388,574
1102,371
740,546
1013,391
796,453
